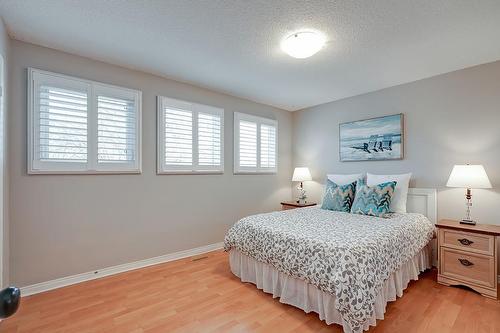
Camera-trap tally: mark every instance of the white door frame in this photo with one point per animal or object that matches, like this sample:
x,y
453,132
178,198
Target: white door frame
x,y
2,165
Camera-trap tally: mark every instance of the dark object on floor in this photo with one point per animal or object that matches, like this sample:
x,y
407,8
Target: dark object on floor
x,y
9,301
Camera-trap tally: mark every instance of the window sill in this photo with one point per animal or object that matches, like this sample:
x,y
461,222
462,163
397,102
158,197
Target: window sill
x,y
84,172
255,173
180,172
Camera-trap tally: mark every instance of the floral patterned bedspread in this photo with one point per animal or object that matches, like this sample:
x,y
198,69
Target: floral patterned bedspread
x,y
347,255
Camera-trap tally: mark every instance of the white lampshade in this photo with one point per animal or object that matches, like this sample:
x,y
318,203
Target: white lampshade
x,y
301,175
468,176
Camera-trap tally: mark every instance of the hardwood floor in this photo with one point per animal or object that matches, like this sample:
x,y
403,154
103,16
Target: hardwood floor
x,y
204,296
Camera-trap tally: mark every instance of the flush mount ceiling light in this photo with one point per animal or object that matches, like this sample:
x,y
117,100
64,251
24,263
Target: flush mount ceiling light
x,y
303,44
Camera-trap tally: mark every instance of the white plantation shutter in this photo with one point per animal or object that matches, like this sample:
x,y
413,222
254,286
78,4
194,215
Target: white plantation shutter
x,y
267,146
248,144
118,128
178,137
190,137
62,125
209,140
80,126
255,144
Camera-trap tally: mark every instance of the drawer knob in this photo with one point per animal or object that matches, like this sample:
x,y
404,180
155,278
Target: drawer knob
x,y
465,241
465,262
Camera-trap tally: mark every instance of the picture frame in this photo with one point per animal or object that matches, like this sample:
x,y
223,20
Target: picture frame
x,y
372,139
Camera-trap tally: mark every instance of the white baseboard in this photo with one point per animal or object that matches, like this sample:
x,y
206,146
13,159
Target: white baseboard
x,y
99,273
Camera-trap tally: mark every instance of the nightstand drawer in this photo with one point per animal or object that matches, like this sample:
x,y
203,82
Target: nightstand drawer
x,y
467,241
465,266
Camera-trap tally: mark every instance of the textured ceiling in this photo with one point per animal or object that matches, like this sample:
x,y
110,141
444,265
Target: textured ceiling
x,y
232,46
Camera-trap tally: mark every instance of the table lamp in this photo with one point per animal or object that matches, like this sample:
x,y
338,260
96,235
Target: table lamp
x,y
301,175
468,177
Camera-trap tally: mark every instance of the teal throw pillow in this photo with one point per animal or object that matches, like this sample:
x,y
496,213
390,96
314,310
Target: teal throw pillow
x,y
373,200
338,197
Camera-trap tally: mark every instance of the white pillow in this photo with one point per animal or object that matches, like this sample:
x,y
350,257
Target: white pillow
x,y
398,202
345,179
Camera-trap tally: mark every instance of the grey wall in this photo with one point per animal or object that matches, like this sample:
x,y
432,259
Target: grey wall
x,y
4,179
449,119
68,224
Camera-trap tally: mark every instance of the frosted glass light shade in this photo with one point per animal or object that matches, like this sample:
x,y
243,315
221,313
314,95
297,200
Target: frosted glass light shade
x,y
468,176
301,174
303,44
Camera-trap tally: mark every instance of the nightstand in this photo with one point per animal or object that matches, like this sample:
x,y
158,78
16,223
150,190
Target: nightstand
x,y
285,205
467,255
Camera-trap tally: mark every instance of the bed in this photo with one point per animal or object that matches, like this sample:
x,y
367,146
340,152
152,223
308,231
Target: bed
x,y
343,266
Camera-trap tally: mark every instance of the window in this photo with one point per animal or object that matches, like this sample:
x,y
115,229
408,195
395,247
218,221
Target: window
x,y
255,144
80,126
190,137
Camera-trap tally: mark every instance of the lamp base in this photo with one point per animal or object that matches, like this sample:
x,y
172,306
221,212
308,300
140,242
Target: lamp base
x,y
470,222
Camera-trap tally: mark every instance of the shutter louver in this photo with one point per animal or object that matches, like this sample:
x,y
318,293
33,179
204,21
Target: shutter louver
x,y
209,140
62,125
178,137
267,146
116,127
248,144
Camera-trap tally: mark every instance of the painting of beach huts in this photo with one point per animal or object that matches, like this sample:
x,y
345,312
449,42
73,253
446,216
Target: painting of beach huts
x,y
372,139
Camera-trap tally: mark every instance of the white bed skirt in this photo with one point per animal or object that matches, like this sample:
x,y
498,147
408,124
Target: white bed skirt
x,y
309,298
